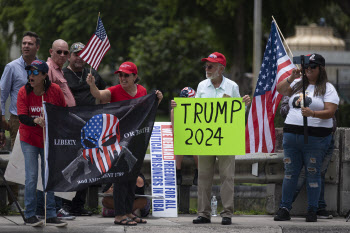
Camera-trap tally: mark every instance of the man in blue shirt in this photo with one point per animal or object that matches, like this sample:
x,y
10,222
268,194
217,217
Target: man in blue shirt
x,y
14,77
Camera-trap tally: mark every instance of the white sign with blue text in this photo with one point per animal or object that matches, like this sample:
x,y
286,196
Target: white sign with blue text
x,y
163,170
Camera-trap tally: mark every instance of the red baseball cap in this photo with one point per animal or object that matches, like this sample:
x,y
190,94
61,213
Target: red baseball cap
x,y
216,57
127,67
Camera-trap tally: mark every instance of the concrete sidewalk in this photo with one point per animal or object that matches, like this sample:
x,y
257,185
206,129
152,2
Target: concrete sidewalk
x,y
251,223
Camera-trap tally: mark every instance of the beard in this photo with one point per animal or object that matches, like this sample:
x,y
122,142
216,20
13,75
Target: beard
x,y
213,75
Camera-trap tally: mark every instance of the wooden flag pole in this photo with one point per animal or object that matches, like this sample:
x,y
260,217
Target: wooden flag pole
x,y
42,104
284,40
99,13
303,79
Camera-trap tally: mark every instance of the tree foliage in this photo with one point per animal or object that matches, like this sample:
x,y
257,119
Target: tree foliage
x,y
168,56
167,38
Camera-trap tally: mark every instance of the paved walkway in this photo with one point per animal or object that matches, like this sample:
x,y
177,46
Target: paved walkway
x,y
181,224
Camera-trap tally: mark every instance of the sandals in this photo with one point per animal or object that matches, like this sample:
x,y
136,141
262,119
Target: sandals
x,y
140,220
126,222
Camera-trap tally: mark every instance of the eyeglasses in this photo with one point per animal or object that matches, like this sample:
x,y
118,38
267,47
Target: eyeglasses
x,y
311,65
35,72
124,75
60,52
208,67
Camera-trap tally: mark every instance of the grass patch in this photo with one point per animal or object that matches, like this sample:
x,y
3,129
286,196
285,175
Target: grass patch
x,y
97,210
250,184
5,210
250,212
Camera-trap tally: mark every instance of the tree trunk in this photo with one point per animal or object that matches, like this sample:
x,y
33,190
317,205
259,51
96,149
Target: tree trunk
x,y
238,56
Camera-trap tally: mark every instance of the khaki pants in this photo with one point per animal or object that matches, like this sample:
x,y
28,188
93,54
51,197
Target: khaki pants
x,y
206,171
14,125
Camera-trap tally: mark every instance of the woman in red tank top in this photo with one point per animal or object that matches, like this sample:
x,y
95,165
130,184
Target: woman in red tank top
x,y
123,191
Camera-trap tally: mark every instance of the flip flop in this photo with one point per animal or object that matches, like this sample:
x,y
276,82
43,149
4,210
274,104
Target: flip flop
x,y
125,222
140,221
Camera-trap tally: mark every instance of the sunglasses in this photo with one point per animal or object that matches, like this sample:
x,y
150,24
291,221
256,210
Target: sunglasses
x,y
124,75
209,67
60,52
312,66
78,46
35,72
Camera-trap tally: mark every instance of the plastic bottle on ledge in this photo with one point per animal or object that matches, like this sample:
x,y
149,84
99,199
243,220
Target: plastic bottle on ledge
x,y
214,206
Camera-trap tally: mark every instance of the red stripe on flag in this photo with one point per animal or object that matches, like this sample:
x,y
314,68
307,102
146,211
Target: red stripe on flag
x,y
100,162
107,130
113,147
92,51
108,159
255,126
104,50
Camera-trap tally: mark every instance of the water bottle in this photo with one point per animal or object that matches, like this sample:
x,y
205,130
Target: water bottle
x,y
214,206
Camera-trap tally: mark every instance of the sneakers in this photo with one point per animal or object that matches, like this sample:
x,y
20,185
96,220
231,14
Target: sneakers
x,y
282,215
311,216
323,214
195,178
34,222
178,177
81,212
63,214
55,222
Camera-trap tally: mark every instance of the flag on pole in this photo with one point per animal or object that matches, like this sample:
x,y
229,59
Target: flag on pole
x,y
104,143
276,66
97,46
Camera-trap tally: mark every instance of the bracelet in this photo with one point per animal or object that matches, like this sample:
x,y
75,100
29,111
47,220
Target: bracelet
x,y
288,81
314,114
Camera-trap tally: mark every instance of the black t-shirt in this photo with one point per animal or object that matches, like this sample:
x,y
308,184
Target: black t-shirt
x,y
79,87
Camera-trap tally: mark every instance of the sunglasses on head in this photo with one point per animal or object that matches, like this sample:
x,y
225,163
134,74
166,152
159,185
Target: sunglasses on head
x,y
78,46
124,75
209,67
60,52
311,65
35,72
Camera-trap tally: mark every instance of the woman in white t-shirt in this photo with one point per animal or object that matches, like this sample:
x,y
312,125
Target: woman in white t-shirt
x,y
321,102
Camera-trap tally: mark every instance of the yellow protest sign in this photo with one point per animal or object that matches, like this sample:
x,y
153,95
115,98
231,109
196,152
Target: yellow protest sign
x,y
209,126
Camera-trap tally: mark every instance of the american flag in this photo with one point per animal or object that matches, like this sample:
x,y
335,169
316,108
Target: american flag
x,y
100,138
97,46
276,66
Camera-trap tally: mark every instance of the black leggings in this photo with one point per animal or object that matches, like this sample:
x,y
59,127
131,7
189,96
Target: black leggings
x,y
123,196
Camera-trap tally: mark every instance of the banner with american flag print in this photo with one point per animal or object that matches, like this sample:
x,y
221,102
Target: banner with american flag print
x,y
88,145
97,46
276,66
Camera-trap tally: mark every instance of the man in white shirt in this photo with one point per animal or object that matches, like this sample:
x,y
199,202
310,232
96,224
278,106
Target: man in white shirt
x,y
216,86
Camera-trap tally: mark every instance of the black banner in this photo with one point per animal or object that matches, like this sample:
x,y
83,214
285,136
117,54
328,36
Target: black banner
x,y
105,143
